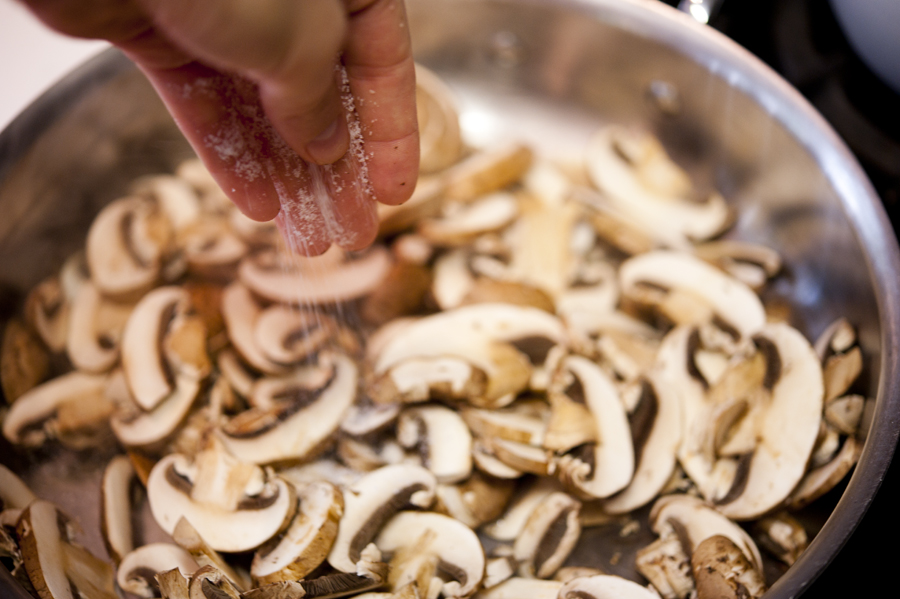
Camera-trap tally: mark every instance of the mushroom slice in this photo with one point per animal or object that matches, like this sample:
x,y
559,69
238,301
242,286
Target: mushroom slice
x,y
456,546
508,423
212,249
301,415
371,574
509,526
57,568
819,481
308,539
95,329
116,506
606,467
14,493
210,583
840,371
751,263
522,588
162,343
445,378
549,535
125,247
689,291
486,171
604,586
288,335
656,435
480,498
240,312
138,569
485,460
782,536
647,189
461,224
441,438
47,310
230,503
24,360
520,456
135,428
305,281
370,502
845,413
722,571
366,417
569,573
190,540
173,584
31,419
441,142
426,201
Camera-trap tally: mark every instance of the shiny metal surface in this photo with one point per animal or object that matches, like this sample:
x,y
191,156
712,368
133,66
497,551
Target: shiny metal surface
x,y
548,72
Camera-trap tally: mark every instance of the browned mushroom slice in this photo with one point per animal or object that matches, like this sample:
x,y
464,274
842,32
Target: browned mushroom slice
x,y
751,263
488,170
24,361
190,540
441,438
549,535
370,502
838,338
56,567
781,535
232,504
509,526
173,584
456,546
116,508
34,416
645,187
138,569
686,290
305,281
288,335
604,468
365,417
308,539
14,493
604,586
441,142
125,247
722,571
303,411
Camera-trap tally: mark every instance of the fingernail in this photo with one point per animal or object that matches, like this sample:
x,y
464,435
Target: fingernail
x,y
330,145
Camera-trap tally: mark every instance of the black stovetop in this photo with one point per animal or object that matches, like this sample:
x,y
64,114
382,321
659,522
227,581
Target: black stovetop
x,y
802,41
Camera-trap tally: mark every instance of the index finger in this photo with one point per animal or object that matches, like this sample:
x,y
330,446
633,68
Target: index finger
x,y
381,72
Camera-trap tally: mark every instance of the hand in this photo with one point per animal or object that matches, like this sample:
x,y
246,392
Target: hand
x,y
255,85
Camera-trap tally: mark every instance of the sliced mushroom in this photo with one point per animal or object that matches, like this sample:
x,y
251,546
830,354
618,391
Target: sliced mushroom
x,y
308,539
95,330
457,547
370,502
304,281
721,570
173,584
751,263
606,467
508,423
135,428
288,335
480,498
840,371
116,508
487,171
845,413
304,412
462,223
231,503
509,526
549,536
522,588
441,143
781,535
240,312
520,456
441,438
138,569
604,587
210,583
212,249
190,540
47,310
819,481
14,493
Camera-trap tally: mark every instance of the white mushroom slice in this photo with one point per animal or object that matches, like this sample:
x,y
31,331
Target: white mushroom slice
x,y
240,313
304,281
229,503
487,170
53,565
116,507
478,499
125,245
190,540
175,196
365,417
781,535
441,142
323,469
441,438
426,201
485,461
549,536
450,378
301,416
308,539
840,371
625,164
722,299
370,502
139,429
570,424
722,571
693,521
47,309
457,547
29,420
603,586
607,466
212,249
233,370
507,423
819,481
147,369
497,570
837,338
522,588
452,279
656,435
95,327
510,525
288,335
751,263
845,413
14,493
137,570
458,226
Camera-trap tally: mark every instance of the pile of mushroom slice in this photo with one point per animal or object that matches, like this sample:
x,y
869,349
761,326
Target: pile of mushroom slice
x,y
529,350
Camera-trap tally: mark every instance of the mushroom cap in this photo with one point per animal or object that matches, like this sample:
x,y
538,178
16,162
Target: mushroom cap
x,y
604,586
138,568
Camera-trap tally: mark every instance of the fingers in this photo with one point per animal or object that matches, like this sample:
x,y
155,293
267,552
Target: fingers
x,y
379,62
289,48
